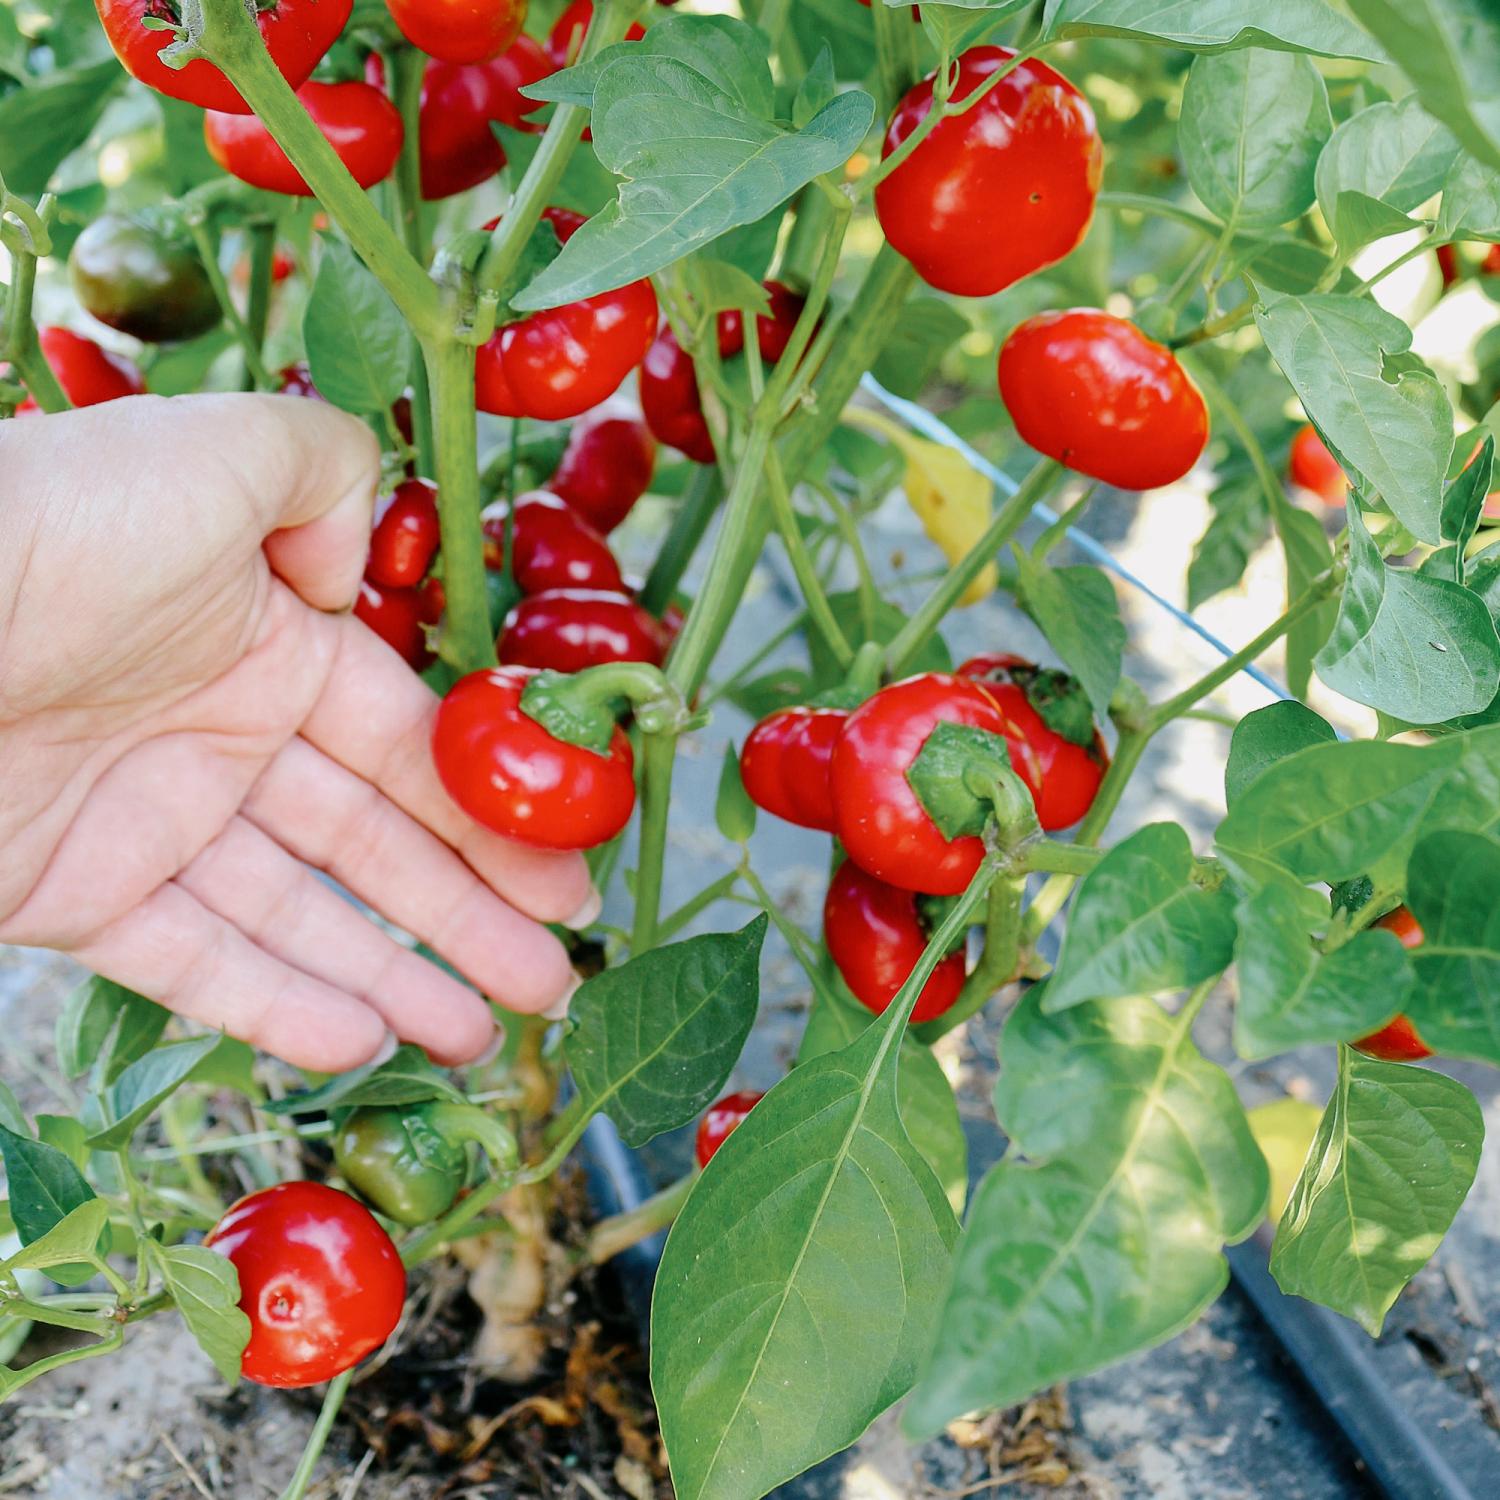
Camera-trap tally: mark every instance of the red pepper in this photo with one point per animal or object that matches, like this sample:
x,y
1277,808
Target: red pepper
x,y
1398,1041
606,468
555,547
570,629
786,764
406,537
720,1121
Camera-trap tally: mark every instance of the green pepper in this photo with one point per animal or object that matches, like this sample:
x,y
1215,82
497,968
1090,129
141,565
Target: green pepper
x,y
144,277
409,1161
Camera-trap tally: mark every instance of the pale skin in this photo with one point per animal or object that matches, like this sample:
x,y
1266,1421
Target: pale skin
x,y
191,723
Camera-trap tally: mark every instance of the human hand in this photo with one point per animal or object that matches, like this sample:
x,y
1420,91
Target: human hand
x,y
186,726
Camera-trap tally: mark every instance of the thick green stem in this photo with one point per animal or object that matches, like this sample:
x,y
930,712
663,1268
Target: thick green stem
x,y
262,234
658,759
997,964
468,644
21,346
818,607
619,1232
687,530
317,1440
228,36
15,1379
1008,520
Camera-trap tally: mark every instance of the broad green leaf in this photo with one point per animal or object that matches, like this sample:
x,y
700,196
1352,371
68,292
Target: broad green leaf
x,y
358,347
47,121
734,811
925,330
696,164
67,1134
44,1186
1253,123
1463,503
653,1040
1396,433
103,1021
1391,1165
1266,736
405,1078
801,1280
10,1111
1308,557
1076,609
1471,201
1451,890
817,89
1140,926
1213,25
1291,994
1450,49
956,25
1379,165
145,1084
206,1288
1419,648
73,1238
1107,1239
1240,524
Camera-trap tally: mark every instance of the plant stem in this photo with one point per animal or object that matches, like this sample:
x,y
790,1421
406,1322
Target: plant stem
x,y
1162,209
683,536
21,346
818,607
15,1379
1052,858
469,644
318,1439
262,234
997,964
670,926
660,752
208,253
620,1231
1008,520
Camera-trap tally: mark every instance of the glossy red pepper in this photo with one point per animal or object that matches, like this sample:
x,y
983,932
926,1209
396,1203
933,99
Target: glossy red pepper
x,y
356,119
999,191
398,616
773,330
515,778
555,547
1314,468
670,401
875,934
565,40
1093,392
570,629
320,1281
1062,777
877,813
721,1120
460,31
560,363
606,468
1398,1041
786,764
297,34
88,374
406,537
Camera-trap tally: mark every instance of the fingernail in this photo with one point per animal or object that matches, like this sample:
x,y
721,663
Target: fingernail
x,y
588,913
387,1050
559,1011
491,1052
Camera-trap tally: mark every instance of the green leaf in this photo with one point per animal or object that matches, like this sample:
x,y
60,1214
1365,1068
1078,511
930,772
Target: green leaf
x,y
800,1281
1140,926
956,25
44,123
67,1134
1107,1239
358,347
887,623
1451,892
1240,524
734,811
178,369
1392,1163
405,1078
73,1238
1396,433
925,330
1266,736
206,1288
1419,648
654,1040
102,1021
145,1084
697,163
44,1186
1076,609
1213,25
1463,503
816,91
1291,994
1471,201
1253,123
1308,557
1450,49
10,1111
585,186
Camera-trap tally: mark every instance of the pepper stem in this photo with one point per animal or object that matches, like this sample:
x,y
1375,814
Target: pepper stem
x,y
582,708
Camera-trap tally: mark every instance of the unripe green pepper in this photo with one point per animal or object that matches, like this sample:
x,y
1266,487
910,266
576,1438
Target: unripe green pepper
x,y
409,1160
143,277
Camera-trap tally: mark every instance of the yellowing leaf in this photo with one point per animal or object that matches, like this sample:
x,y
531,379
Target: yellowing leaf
x,y
948,495
1284,1131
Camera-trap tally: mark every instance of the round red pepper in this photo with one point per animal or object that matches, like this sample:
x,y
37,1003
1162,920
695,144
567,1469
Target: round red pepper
x,y
320,1281
555,547
297,34
875,934
356,119
721,1120
515,778
565,40
1398,1041
560,363
999,191
1062,777
399,617
1093,392
1314,468
460,31
773,331
406,537
570,629
670,401
296,380
786,764
88,374
877,813
606,468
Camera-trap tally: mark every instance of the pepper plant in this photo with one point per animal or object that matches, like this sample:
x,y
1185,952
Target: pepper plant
x,y
1172,224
